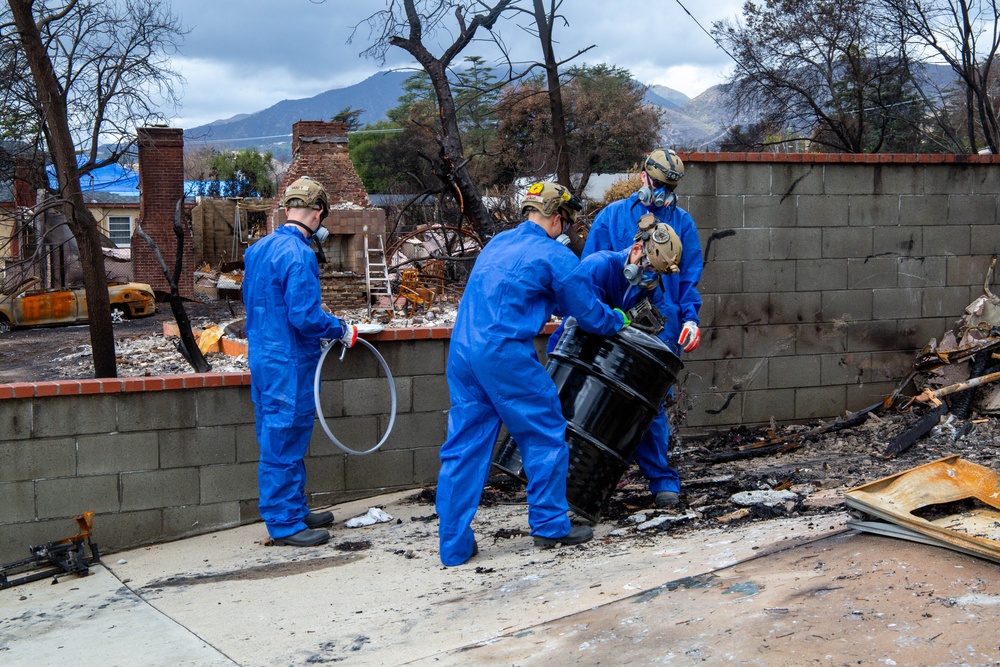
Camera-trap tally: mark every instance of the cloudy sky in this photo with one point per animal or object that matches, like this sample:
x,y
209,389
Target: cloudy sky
x,y
244,56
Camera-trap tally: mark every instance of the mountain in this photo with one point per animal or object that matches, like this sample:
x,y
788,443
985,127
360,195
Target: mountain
x,y
668,98
271,128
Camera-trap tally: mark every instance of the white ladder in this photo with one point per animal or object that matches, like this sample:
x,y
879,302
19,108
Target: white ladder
x,y
377,277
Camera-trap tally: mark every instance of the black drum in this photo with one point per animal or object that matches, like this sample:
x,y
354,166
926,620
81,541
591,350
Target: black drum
x,y
610,388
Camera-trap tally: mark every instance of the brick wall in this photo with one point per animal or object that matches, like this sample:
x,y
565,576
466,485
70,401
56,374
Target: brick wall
x,y
161,182
826,274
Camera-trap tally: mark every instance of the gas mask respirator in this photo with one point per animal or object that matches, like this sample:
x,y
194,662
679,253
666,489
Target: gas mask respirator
x,y
642,277
321,235
656,197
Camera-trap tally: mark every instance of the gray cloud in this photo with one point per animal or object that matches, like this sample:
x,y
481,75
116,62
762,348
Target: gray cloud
x,y
244,56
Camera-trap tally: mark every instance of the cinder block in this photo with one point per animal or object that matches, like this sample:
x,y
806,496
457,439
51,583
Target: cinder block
x,y
774,340
739,374
18,502
189,520
331,397
847,242
430,393
820,274
358,362
426,464
790,179
15,415
413,357
873,210
860,396
847,179
159,488
151,411
769,212
972,210
914,334
921,271
699,179
719,343
117,452
197,446
325,474
821,211
381,470
895,304
696,377
797,243
891,366
73,496
713,409
370,396
25,460
797,371
898,179
986,177
745,244
872,273
223,406
57,416
769,276
247,449
821,338
415,430
357,433
951,240
738,309
869,336
946,301
714,213
790,307
968,270
820,402
17,538
950,179
985,240
226,482
126,530
760,406
743,178
722,277
846,305
906,241
922,209
845,369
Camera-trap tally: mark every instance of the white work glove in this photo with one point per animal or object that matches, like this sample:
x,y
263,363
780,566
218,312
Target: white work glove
x,y
690,336
350,336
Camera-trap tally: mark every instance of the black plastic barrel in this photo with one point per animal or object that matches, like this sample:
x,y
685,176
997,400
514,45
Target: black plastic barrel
x,y
610,388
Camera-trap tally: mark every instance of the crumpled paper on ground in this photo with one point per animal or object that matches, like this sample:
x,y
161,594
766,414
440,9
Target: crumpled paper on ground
x,y
373,516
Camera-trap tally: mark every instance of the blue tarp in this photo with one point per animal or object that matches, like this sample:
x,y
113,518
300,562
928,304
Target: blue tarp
x,y
113,178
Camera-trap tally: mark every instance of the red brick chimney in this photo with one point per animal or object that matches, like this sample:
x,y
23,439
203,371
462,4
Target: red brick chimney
x,y
161,185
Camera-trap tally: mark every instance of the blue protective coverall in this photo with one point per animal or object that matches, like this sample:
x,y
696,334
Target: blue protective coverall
x,y
285,323
677,299
521,278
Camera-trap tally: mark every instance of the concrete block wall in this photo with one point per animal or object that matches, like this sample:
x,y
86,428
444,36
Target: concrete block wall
x,y
163,458
826,274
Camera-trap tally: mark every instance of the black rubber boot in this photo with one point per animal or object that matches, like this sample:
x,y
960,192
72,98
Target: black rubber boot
x,y
666,499
303,538
578,535
318,519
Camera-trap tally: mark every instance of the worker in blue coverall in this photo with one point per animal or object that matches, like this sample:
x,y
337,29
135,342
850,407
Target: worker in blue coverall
x,y
614,228
521,277
285,325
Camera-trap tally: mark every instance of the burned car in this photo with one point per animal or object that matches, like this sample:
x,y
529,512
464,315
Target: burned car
x,y
27,307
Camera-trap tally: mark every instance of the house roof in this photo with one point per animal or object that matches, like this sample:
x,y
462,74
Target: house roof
x,y
113,179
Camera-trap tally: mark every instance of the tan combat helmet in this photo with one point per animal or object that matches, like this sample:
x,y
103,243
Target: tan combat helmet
x,y
660,244
304,192
664,167
550,198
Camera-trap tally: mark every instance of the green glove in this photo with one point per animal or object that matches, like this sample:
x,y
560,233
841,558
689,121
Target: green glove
x,y
624,317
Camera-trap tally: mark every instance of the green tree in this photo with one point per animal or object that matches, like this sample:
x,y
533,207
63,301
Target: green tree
x,y
349,116
243,173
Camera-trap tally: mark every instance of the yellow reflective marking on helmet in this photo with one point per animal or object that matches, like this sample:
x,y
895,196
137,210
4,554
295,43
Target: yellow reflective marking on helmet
x,y
536,188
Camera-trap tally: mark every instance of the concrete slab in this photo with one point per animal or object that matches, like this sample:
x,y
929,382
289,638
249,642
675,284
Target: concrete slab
x,y
780,592
94,621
